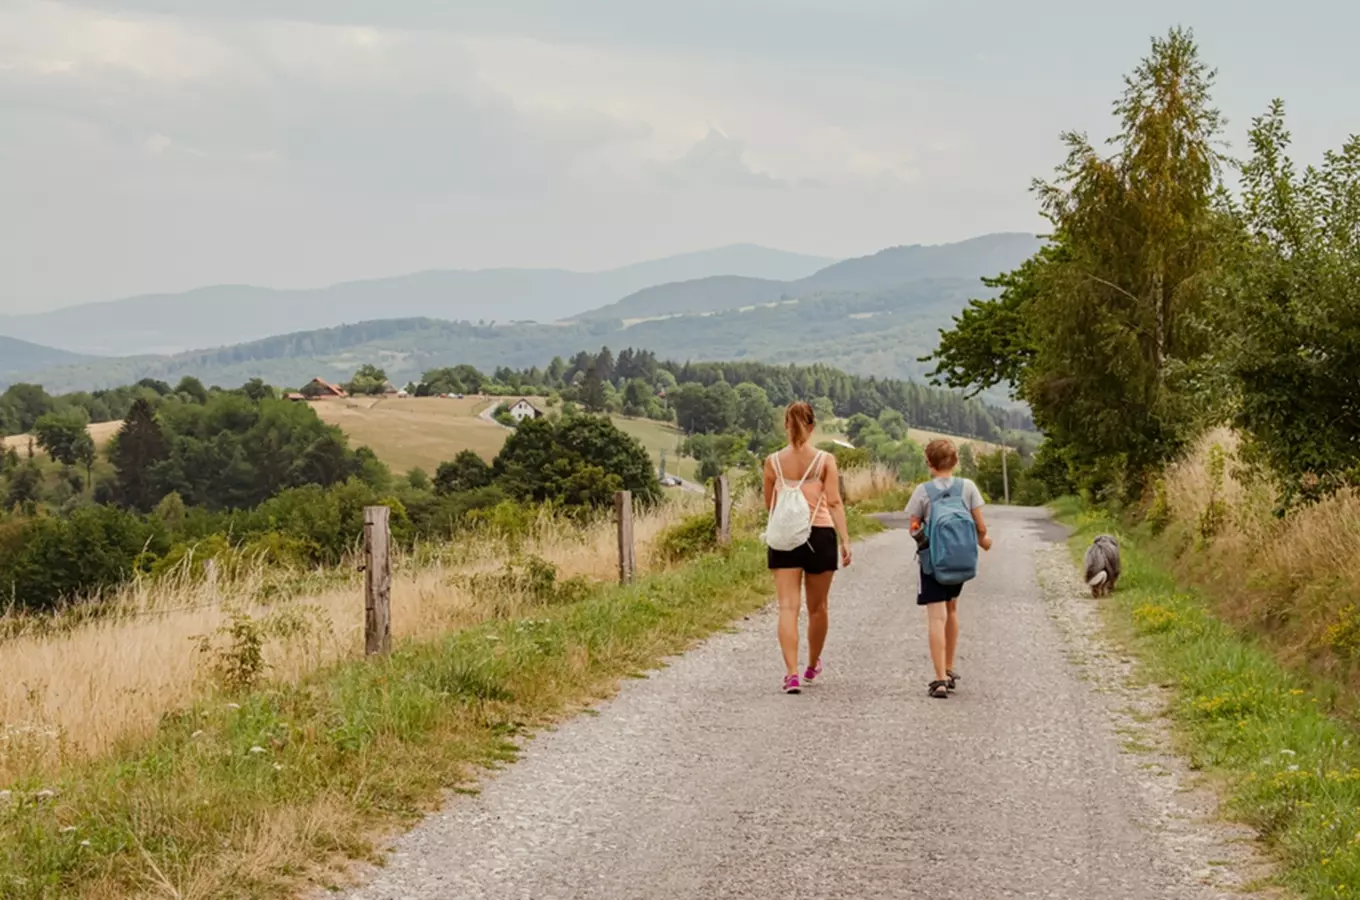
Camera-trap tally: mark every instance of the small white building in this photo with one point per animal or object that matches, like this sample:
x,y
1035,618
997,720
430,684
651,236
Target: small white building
x,y
525,410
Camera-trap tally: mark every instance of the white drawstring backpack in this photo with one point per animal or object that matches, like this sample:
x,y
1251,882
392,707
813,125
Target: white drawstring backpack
x,y
790,523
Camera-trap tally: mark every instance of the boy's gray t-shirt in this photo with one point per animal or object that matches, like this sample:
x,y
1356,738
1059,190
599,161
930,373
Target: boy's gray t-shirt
x,y
919,504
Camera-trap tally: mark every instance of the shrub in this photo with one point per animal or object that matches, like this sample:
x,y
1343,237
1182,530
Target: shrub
x,y
693,536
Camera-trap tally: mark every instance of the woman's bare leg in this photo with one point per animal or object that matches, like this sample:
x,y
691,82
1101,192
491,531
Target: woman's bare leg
x,y
937,615
951,634
818,589
788,587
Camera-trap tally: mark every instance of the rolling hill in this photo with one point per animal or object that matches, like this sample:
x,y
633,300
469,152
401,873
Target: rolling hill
x,y
971,259
880,333
230,314
18,356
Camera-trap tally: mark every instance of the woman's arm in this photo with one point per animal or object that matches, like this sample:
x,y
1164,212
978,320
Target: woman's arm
x,y
835,504
769,484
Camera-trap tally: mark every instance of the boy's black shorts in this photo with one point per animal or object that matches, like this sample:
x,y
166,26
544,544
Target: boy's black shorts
x,y
931,591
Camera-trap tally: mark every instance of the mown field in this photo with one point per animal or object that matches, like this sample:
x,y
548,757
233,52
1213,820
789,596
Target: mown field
x,y
100,431
422,432
415,432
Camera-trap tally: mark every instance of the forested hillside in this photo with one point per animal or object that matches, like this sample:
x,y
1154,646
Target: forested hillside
x,y
881,334
228,314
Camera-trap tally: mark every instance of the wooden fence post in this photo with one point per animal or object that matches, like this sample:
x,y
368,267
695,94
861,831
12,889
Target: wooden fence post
x,y
840,482
623,514
722,510
377,580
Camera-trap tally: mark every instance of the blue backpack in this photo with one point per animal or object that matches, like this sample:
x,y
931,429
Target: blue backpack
x,y
952,552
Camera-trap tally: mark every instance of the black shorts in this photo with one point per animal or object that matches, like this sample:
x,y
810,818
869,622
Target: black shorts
x,y
819,555
931,591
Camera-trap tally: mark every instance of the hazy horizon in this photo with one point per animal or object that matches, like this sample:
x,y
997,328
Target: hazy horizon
x,y
155,146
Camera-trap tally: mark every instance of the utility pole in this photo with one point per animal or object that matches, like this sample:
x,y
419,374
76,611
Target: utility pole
x,y
663,463
1005,473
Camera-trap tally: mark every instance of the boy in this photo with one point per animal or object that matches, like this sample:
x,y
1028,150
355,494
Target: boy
x,y
941,600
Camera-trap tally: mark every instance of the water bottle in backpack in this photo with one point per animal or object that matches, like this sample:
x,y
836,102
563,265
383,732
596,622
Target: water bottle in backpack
x,y
950,555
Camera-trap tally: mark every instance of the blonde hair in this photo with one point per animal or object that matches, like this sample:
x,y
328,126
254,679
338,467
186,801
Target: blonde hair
x,y
799,420
942,454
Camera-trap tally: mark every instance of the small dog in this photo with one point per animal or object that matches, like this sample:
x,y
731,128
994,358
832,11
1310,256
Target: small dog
x,y
1102,565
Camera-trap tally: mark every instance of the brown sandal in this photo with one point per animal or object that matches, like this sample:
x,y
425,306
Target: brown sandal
x,y
939,690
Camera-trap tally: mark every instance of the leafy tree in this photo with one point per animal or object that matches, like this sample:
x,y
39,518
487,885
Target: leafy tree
x,y
25,486
10,461
257,390
193,389
60,434
1106,332
579,461
369,379
21,406
1293,338
465,472
592,390
86,455
138,447
755,414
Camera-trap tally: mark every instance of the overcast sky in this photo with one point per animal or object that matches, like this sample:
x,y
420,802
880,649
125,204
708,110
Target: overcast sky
x,y
153,145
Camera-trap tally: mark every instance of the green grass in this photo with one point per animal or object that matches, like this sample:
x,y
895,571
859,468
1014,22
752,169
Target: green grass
x,y
279,787
1286,765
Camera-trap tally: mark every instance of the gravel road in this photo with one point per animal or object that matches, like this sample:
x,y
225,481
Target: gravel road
x,y
704,781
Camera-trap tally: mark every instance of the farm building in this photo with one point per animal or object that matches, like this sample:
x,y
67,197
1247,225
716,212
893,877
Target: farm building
x,y
321,389
525,410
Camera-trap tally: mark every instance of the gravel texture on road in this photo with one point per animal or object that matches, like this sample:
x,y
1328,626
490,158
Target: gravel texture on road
x,y
704,781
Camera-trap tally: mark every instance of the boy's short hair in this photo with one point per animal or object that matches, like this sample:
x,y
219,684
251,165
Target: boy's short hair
x,y
942,454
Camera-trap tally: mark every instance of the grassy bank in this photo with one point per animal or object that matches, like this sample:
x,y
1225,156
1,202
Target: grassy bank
x,y
1286,764
255,794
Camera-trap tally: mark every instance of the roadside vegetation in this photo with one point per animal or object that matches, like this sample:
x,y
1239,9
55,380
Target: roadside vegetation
x,y
1281,745
1189,343
246,748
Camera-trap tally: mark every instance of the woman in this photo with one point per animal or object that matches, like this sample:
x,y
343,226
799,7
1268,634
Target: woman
x,y
799,466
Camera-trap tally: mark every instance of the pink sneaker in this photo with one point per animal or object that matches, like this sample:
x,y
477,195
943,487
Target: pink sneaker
x,y
791,685
812,672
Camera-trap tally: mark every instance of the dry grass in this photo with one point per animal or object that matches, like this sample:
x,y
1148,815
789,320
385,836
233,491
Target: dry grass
x,y
74,689
100,431
862,485
923,437
415,432
1295,580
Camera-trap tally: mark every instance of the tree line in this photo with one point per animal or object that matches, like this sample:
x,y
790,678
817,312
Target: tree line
x,y
239,475
1165,302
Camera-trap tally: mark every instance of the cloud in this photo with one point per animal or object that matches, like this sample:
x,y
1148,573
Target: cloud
x,y
716,162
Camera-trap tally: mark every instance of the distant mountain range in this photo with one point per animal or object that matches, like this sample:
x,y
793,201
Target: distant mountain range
x,y
18,356
871,316
229,314
887,269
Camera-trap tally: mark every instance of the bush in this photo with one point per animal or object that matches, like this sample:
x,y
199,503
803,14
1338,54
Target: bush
x,y
692,537
48,560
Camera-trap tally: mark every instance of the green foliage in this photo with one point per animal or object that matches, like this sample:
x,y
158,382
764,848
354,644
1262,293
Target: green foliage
x,y
62,435
525,580
1106,333
138,447
368,380
577,462
1293,313
48,560
465,472
1287,761
686,540
25,486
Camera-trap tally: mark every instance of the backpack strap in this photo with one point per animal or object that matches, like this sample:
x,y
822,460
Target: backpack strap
x,y
816,461
934,492
778,469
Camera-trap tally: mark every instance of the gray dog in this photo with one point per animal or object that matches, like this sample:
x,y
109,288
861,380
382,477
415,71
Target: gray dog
x,y
1102,565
